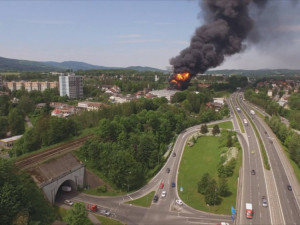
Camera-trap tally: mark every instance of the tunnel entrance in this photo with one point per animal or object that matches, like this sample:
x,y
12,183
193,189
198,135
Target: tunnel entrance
x,y
66,190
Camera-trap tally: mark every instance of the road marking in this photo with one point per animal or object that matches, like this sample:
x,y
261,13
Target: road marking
x,y
130,197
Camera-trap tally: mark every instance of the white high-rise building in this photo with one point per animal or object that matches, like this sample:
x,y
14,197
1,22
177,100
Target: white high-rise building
x,y
71,85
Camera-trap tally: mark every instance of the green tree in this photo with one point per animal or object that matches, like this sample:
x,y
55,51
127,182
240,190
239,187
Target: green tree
x,y
3,126
203,129
4,105
78,215
203,183
25,104
16,122
212,194
216,130
223,187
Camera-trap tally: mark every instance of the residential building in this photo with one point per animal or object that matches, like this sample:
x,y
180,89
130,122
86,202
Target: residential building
x,y
90,106
9,142
71,85
30,85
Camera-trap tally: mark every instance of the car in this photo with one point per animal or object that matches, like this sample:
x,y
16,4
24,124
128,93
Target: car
x,y
289,187
163,194
173,184
264,201
179,202
223,223
161,186
68,202
253,172
155,199
174,154
168,170
104,212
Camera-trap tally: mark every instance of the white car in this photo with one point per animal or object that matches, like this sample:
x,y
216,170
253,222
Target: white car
x,y
179,202
163,194
68,202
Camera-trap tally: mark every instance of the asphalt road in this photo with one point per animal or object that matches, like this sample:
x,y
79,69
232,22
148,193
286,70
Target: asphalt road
x,y
165,211
254,186
283,175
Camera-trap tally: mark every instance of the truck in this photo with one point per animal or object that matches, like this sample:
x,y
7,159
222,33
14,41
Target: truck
x,y
238,109
245,122
249,211
252,112
91,207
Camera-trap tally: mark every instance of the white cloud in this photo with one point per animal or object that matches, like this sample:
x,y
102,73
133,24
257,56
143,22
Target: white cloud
x,y
132,41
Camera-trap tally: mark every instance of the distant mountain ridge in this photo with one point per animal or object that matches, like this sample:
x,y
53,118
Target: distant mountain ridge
x,y
27,65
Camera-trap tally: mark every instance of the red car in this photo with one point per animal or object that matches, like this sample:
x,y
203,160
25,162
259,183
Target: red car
x,y
161,186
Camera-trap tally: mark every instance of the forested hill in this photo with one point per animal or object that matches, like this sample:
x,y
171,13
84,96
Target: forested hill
x,y
26,65
261,72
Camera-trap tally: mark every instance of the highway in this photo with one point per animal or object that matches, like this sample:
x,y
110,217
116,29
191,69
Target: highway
x,y
283,205
254,186
283,175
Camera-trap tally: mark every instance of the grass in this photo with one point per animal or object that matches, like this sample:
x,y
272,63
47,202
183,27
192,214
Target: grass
x,y
107,221
203,157
62,212
224,125
144,201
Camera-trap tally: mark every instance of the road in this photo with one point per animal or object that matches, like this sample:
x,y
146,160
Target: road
x,y
165,211
254,186
281,170
283,207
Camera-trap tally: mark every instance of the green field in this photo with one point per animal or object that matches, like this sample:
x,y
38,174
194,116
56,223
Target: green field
x,y
203,157
223,125
145,201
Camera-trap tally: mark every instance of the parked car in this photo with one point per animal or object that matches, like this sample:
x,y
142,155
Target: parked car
x,y
168,170
179,202
264,201
104,212
253,172
68,202
161,186
289,187
155,199
173,184
163,194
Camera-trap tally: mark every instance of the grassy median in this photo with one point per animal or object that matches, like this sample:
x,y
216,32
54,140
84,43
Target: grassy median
x,y
204,157
224,125
144,201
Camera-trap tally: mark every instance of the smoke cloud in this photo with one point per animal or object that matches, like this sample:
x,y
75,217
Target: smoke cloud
x,y
227,26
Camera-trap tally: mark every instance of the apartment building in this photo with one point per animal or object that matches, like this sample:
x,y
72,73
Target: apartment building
x,y
30,85
71,85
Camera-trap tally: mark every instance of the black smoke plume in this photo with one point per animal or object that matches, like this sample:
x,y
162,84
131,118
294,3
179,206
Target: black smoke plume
x,y
228,24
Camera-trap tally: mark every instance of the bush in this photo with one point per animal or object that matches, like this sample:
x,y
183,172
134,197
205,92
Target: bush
x,y
102,189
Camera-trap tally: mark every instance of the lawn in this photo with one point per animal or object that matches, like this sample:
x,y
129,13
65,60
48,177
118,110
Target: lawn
x,y
145,201
223,125
107,221
203,157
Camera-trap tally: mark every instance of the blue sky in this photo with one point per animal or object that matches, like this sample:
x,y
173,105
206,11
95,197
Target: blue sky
x,y
128,33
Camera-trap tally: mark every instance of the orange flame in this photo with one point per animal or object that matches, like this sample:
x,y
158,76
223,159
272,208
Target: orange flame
x,y
180,77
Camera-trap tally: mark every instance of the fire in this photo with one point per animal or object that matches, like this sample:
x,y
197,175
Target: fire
x,y
179,78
